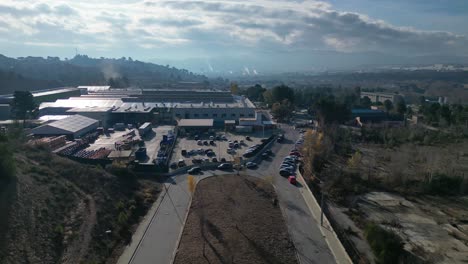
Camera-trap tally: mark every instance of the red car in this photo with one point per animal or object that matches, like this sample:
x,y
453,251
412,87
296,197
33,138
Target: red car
x,y
295,153
292,180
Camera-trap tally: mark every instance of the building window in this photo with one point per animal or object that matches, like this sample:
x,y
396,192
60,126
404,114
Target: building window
x,y
241,115
251,115
205,115
223,115
215,115
195,115
233,115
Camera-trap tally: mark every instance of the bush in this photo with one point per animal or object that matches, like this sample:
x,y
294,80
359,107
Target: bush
x,y
387,247
7,163
442,184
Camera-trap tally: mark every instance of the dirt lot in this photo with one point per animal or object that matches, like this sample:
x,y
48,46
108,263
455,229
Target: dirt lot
x,y
233,220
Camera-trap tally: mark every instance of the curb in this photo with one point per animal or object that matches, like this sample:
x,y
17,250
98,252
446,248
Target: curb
x,y
341,248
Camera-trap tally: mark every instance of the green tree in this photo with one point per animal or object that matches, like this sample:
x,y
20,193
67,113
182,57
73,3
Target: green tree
x,y
23,104
366,102
388,105
255,92
282,92
401,107
282,111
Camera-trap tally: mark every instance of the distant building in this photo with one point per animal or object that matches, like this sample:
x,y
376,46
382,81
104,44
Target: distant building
x,y
380,97
5,111
369,115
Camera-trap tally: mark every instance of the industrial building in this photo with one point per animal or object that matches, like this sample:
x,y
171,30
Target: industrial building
x,y
135,106
73,127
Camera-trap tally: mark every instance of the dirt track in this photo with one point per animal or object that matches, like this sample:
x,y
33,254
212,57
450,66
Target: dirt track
x,y
233,220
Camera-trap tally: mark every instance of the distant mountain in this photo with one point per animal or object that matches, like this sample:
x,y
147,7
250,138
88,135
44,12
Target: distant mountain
x,y
33,73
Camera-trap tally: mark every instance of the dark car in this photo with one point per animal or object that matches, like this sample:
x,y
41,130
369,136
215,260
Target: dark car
x,y
196,161
184,152
247,138
214,160
173,165
265,156
210,154
212,143
269,152
205,143
223,160
194,170
225,166
196,137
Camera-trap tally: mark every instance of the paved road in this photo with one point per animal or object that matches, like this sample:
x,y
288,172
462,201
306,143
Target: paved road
x,y
161,237
303,228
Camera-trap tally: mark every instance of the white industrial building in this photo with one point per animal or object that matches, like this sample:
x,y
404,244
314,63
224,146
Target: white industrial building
x,y
139,106
73,127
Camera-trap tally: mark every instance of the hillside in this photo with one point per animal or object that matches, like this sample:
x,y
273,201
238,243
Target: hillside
x,y
53,210
33,73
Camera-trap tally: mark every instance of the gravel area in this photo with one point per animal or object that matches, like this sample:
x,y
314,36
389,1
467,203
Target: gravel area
x,y
232,219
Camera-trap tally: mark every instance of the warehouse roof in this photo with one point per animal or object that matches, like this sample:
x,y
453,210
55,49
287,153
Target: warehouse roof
x,y
195,122
70,124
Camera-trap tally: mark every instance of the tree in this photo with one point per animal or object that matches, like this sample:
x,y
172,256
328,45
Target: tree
x,y
268,97
329,111
23,104
366,102
191,184
279,93
282,111
234,88
388,105
255,92
401,107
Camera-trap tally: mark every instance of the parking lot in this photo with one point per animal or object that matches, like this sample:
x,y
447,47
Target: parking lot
x,y
218,146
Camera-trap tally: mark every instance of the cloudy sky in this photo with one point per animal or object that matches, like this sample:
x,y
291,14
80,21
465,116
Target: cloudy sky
x,y
263,32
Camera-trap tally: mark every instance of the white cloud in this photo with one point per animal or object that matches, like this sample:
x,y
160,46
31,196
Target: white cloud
x,y
212,26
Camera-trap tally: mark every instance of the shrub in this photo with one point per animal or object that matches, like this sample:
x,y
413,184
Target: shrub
x,y
442,184
387,247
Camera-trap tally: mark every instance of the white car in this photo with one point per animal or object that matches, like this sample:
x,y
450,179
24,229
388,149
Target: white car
x,y
251,165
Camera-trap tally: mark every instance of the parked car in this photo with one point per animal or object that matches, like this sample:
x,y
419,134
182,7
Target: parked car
x,y
269,152
196,137
173,165
206,160
211,138
265,156
212,143
199,142
236,145
248,138
225,166
292,180
230,151
181,163
184,152
210,154
217,137
205,143
214,160
251,165
194,170
223,137
284,173
196,161
222,160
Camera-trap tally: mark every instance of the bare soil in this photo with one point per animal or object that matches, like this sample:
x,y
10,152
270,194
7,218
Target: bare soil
x,y
233,219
